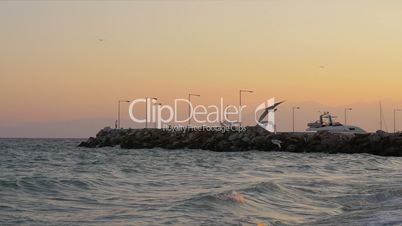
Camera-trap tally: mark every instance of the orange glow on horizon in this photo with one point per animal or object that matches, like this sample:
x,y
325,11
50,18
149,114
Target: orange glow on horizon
x,y
73,60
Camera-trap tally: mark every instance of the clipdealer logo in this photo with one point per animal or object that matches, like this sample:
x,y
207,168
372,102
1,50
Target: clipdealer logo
x,y
164,116
267,115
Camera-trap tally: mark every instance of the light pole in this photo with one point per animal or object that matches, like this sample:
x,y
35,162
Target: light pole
x,y
346,109
146,109
159,104
240,106
118,111
395,110
293,115
189,106
380,115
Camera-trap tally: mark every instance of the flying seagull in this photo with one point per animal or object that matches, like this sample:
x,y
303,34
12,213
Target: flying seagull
x,y
265,113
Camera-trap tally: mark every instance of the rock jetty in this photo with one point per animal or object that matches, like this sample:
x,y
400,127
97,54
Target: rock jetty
x,y
252,138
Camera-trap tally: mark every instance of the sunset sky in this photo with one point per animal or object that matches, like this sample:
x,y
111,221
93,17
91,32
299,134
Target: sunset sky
x,y
64,65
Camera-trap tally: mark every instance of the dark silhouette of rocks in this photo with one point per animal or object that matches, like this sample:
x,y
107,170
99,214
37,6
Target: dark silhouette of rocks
x,y
253,138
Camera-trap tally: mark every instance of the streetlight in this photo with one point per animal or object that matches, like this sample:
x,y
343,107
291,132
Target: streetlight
x,y
293,115
395,110
118,111
347,109
189,106
146,109
159,104
240,106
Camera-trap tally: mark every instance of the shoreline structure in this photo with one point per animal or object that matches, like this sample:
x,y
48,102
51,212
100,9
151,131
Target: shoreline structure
x,y
252,138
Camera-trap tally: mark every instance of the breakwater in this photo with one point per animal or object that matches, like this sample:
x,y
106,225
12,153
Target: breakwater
x,y
251,138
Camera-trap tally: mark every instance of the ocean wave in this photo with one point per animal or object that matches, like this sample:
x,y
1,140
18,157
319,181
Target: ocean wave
x,y
54,182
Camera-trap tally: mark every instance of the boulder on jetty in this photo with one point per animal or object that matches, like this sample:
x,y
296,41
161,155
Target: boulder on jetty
x,y
252,138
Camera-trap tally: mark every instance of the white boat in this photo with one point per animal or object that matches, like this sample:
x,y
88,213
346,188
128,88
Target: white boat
x,y
327,123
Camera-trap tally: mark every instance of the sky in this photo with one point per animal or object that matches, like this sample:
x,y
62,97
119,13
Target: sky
x,y
64,64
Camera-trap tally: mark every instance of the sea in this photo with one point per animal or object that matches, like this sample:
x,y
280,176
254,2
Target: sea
x,y
54,182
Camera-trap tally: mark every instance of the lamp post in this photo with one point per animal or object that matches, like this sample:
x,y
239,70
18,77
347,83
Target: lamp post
x,y
380,115
118,111
240,106
293,116
159,104
189,106
346,109
395,110
146,109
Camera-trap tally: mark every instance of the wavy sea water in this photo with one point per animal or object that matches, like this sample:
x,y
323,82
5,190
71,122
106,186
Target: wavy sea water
x,y
53,182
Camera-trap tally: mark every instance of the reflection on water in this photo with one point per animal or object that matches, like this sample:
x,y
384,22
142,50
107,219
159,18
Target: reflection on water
x,y
51,181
